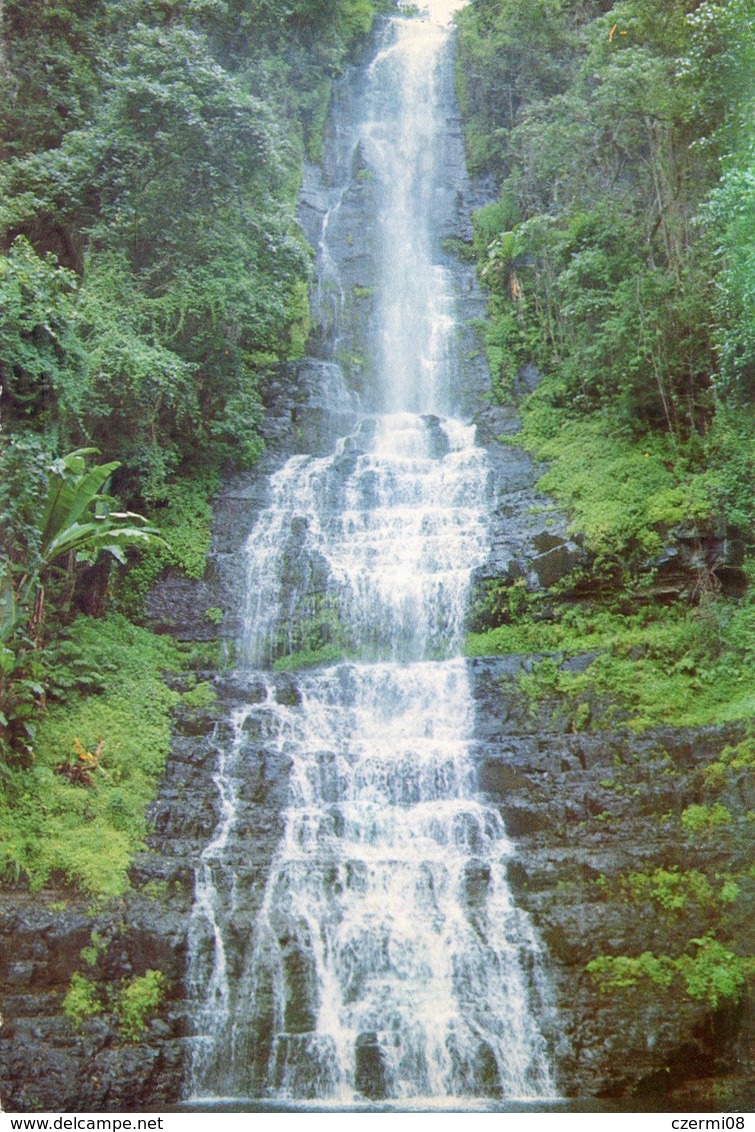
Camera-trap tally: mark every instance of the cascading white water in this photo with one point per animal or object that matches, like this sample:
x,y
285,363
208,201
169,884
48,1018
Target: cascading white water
x,y
388,958
400,142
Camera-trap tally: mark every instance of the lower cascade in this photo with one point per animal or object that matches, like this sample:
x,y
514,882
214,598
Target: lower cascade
x,y
387,959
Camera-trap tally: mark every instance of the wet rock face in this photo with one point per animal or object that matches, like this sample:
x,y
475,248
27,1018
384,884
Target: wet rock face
x,y
46,1062
698,556
370,1075
585,810
49,1063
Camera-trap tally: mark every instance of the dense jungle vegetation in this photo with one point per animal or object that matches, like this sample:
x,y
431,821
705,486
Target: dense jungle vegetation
x,y
619,258
152,275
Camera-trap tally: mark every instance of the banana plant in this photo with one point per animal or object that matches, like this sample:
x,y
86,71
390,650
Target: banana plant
x,y
77,517
77,523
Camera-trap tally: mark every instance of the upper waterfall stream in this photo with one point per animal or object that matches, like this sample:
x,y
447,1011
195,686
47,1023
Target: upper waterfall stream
x,y
388,959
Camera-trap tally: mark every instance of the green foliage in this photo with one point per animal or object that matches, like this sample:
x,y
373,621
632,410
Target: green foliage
x,y
138,391
97,948
703,819
156,155
676,891
622,495
24,472
721,771
620,972
85,836
714,973
49,79
502,603
77,518
730,892
184,514
21,674
201,696
731,457
617,233
73,520
138,1001
187,513
678,665
670,889
728,31
82,1000
508,56
39,352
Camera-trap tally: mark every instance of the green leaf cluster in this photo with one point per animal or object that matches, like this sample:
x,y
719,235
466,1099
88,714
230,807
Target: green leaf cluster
x,y
700,818
138,1001
676,891
81,1000
712,975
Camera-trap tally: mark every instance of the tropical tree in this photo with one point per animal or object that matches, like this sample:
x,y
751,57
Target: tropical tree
x,y
76,523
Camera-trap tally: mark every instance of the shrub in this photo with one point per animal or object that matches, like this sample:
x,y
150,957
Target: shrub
x,y
617,972
698,818
714,972
86,836
82,1000
203,696
138,1001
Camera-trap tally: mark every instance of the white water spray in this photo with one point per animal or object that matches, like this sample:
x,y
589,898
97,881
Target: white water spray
x,y
388,959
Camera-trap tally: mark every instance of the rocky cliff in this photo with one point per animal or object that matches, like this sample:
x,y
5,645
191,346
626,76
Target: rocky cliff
x,y
586,806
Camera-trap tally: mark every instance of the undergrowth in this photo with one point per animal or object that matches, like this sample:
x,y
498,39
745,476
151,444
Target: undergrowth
x,y
711,973
621,491
184,515
133,1004
77,814
679,664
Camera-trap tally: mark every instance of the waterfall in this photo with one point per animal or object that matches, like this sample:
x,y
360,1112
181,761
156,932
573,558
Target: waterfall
x,y
387,959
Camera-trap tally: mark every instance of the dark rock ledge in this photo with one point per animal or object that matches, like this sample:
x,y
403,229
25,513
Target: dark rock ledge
x,y
583,809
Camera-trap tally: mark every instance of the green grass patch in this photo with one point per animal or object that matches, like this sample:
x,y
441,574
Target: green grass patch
x,y
81,825
620,491
683,665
